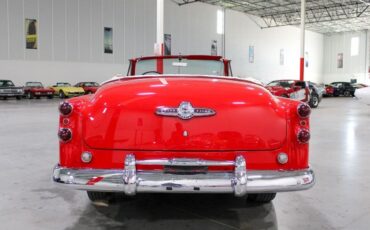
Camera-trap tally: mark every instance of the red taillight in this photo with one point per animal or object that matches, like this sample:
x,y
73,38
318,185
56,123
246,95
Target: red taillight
x,y
65,134
303,110
65,108
303,136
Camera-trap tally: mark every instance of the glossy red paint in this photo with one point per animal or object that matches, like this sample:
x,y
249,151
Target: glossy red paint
x,y
120,119
301,68
114,122
38,92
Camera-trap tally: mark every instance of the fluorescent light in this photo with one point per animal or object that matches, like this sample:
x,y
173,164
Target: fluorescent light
x,y
220,22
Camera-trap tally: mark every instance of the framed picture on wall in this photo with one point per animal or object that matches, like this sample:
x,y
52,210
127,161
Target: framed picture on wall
x,y
214,48
251,54
31,33
108,40
340,60
167,44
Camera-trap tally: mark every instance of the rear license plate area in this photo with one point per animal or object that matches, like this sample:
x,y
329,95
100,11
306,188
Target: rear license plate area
x,y
185,170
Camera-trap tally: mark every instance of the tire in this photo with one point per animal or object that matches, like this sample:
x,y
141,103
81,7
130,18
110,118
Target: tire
x,y
18,97
261,197
347,93
50,97
88,92
285,96
61,94
95,196
314,102
29,95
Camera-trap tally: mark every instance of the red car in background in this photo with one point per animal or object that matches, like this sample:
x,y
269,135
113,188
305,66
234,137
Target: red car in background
x,y
37,90
294,89
329,91
89,87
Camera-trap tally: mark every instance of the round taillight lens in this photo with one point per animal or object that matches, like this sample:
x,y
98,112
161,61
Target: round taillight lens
x,y
65,108
65,134
303,110
303,136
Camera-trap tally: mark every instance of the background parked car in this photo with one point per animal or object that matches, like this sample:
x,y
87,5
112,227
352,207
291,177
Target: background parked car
x,y
329,91
294,89
343,89
8,89
316,95
64,89
36,89
89,87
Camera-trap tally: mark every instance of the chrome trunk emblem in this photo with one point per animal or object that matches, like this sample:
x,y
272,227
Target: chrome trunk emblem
x,y
185,111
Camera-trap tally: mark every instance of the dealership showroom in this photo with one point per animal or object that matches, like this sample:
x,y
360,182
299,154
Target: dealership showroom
x,y
185,114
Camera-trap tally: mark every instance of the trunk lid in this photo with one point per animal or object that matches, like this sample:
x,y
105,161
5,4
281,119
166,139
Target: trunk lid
x,y
122,115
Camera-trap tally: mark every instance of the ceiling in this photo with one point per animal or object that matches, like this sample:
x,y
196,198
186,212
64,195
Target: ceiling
x,y
323,16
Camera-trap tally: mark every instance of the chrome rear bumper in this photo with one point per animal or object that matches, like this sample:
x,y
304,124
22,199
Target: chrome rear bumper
x,y
130,181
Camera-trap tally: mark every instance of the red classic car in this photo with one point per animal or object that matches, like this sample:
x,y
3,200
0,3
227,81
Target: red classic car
x,y
329,91
294,89
89,87
36,89
182,124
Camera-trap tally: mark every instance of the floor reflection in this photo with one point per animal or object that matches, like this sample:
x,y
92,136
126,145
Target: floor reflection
x,y
163,211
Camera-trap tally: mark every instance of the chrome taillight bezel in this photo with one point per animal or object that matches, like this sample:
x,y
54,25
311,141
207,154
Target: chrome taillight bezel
x,y
303,132
65,130
61,110
302,106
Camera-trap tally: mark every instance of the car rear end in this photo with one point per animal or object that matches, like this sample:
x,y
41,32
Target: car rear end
x,y
131,137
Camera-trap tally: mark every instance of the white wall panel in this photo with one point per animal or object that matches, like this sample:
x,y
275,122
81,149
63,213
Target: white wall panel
x,y
16,29
354,67
45,26
84,28
108,21
150,26
72,30
119,32
70,38
3,29
140,28
193,27
97,31
59,30
130,26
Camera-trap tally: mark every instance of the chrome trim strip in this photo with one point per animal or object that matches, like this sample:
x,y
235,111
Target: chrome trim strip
x,y
130,181
184,162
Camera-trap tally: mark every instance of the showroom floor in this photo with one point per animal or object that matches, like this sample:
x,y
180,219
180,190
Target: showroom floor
x,y
340,154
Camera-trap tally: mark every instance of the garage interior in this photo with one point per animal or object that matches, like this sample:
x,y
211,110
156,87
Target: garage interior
x,y
264,41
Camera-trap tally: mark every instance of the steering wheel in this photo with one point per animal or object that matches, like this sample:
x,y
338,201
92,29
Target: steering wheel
x,y
151,71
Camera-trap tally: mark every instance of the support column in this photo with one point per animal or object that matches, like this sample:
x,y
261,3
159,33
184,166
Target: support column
x,y
367,58
224,34
158,47
303,16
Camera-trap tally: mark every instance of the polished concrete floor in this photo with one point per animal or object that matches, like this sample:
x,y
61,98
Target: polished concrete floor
x,y
340,154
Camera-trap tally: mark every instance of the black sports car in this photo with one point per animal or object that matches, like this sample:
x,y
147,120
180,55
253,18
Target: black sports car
x,y
343,89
